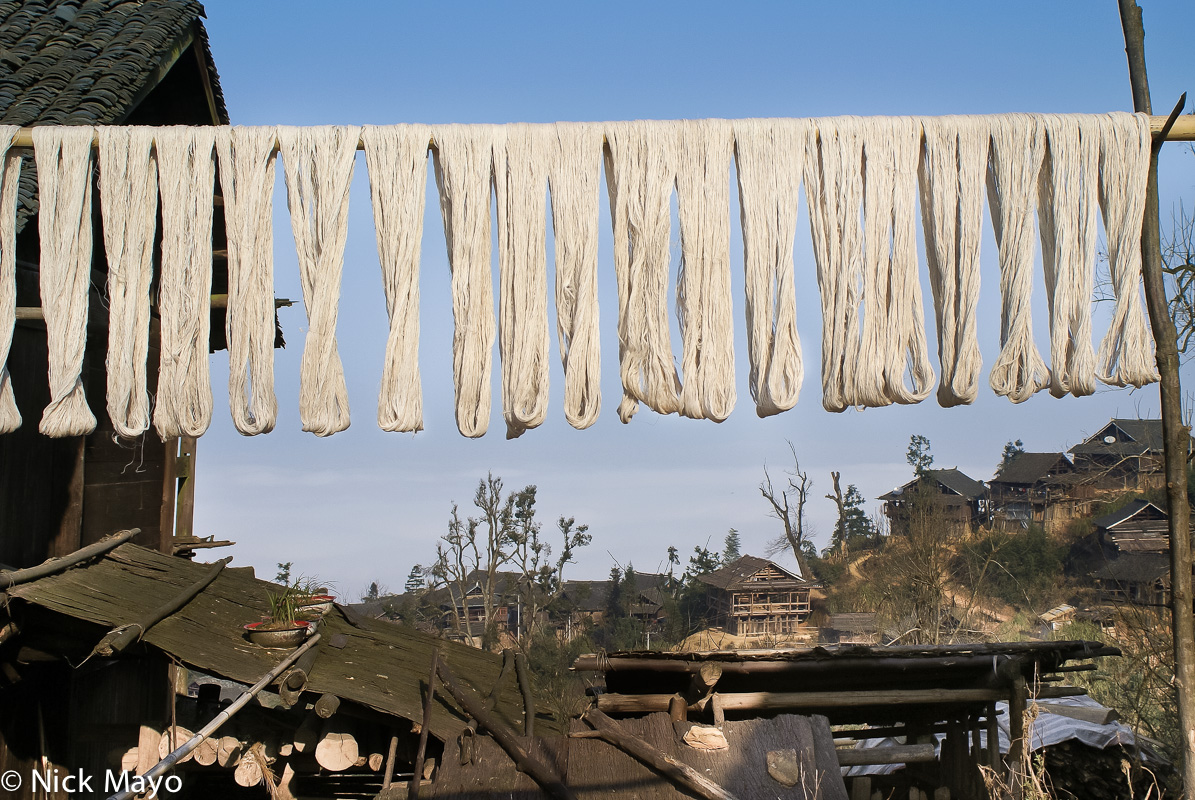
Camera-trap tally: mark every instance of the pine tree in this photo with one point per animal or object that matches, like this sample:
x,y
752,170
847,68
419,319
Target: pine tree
x,y
414,579
730,547
918,455
1011,451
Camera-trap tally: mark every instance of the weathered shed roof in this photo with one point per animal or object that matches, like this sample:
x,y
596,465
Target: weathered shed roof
x,y
376,664
1135,568
1136,509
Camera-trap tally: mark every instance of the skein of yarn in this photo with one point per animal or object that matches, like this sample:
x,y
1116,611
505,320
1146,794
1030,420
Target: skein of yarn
x,y
63,156
128,182
247,180
1126,352
463,162
1067,208
319,162
769,160
186,179
574,179
952,180
10,176
396,156
703,304
1018,147
521,158
640,173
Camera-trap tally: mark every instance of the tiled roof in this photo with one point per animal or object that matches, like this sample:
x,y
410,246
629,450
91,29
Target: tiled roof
x,y
1132,509
1032,467
1135,568
1131,437
740,570
87,62
951,478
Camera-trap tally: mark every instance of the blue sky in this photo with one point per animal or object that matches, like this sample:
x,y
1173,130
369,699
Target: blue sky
x,y
365,505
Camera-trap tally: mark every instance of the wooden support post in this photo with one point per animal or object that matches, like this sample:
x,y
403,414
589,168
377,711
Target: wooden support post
x,y
524,673
429,698
994,741
1018,746
391,752
1176,435
678,709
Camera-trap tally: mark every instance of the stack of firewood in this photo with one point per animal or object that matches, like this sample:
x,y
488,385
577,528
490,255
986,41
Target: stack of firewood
x,y
1080,772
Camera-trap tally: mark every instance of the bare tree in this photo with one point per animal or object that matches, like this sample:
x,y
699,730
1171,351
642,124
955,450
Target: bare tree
x,y
1178,259
788,506
840,525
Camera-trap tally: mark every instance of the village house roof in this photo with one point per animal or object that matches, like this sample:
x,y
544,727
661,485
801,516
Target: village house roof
x,y
951,479
365,661
1030,468
593,596
1137,509
737,575
1135,568
1124,438
66,62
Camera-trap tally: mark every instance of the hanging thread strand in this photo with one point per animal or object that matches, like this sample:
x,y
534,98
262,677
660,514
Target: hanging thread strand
x,y
396,156
63,156
10,176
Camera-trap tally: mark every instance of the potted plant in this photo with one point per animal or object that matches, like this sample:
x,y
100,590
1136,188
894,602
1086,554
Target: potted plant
x,y
280,628
311,598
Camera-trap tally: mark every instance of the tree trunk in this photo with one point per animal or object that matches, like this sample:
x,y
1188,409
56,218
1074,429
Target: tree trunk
x,y
1176,435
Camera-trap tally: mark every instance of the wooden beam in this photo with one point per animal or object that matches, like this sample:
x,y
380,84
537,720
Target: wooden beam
x,y
895,754
1183,131
421,753
56,565
777,701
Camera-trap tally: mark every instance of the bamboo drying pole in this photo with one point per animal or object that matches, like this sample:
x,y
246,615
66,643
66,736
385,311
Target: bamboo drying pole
x,y
1183,131
207,730
1175,434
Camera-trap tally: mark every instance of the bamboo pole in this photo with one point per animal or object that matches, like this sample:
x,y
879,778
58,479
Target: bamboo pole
x,y
1175,434
56,565
207,730
1183,131
117,639
776,701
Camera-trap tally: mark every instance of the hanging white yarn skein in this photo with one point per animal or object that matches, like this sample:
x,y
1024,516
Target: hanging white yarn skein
x,y
769,159
463,161
396,156
1018,146
10,176
521,158
319,162
574,179
128,185
952,184
1126,352
834,191
247,180
640,173
893,330
703,302
63,156
1067,208
186,180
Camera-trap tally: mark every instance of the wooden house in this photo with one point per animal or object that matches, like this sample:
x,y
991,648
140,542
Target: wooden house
x,y
99,62
1124,455
754,597
1045,489
959,501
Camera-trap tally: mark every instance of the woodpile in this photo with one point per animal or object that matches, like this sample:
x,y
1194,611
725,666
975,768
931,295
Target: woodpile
x,y
1079,772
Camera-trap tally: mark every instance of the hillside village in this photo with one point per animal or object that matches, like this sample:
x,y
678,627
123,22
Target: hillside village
x,y
1075,535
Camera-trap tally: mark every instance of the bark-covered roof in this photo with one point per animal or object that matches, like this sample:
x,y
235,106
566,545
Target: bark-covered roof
x,y
377,664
